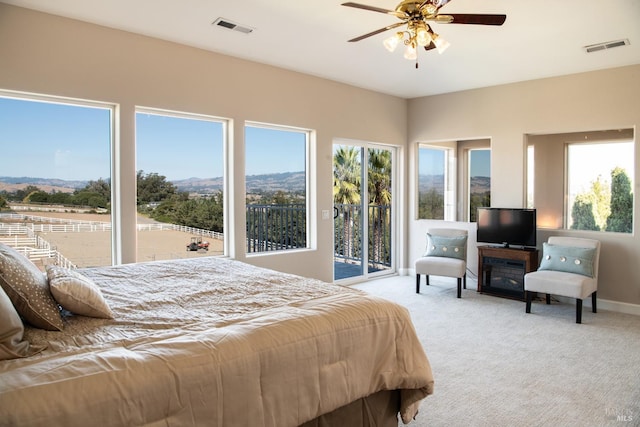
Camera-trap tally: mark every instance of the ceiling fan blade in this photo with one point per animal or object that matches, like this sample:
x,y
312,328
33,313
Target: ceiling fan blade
x,y
381,30
473,18
375,9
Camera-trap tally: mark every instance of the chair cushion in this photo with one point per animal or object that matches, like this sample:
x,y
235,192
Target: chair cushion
x,y
446,246
560,283
570,259
441,266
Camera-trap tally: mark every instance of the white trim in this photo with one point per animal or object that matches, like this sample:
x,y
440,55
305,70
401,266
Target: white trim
x,y
603,304
407,271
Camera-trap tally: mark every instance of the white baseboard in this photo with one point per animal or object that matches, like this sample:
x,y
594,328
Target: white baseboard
x,y
407,271
604,304
617,306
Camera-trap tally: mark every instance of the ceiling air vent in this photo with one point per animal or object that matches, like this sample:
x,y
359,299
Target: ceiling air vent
x,y
606,45
225,23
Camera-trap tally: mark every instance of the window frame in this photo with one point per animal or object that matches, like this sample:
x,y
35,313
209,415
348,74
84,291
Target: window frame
x,y
465,148
226,193
547,172
114,150
310,180
449,182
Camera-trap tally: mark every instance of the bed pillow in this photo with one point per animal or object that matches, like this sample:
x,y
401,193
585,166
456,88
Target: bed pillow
x,y
447,246
12,346
570,259
28,290
77,293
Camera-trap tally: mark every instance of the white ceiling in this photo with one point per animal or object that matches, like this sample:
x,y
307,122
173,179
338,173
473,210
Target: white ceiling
x,y
539,39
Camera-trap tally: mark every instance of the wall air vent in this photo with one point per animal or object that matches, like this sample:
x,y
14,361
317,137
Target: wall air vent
x,y
225,23
605,45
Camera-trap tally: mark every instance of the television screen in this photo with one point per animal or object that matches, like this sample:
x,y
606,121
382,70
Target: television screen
x,y
507,226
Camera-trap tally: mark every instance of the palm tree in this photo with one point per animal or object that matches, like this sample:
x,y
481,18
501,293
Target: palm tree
x,y
379,177
346,189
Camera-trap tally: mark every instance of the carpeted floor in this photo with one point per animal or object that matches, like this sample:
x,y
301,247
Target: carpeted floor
x,y
496,366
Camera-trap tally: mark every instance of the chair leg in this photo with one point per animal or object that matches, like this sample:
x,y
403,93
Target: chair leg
x,y
528,296
548,299
464,281
417,283
578,310
594,308
459,287
427,276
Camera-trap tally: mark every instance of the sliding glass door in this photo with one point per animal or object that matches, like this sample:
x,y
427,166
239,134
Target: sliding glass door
x,y
363,220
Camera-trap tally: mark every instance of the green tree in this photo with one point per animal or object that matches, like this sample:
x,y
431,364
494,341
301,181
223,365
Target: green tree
x,y
346,189
621,217
431,205
600,197
153,187
597,199
23,195
379,183
101,187
60,198
90,198
3,203
38,196
477,200
582,214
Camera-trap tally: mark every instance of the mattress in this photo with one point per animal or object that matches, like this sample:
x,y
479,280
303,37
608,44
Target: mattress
x,y
216,342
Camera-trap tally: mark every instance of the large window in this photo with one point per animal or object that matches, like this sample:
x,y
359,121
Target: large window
x,y
180,185
479,182
55,185
582,180
435,183
454,179
599,186
276,188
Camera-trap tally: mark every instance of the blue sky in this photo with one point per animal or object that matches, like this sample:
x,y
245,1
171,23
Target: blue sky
x,y
47,140
431,162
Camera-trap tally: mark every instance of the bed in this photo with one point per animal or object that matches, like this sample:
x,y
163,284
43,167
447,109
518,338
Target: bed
x,y
217,342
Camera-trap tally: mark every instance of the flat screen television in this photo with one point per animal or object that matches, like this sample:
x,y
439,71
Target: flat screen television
x,y
507,226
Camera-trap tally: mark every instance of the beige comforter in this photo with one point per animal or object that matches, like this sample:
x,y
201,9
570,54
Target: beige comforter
x,y
215,342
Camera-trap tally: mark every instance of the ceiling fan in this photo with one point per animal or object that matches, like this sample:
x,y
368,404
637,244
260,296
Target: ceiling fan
x,y
416,15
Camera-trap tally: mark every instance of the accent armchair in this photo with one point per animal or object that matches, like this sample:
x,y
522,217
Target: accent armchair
x,y
446,255
569,267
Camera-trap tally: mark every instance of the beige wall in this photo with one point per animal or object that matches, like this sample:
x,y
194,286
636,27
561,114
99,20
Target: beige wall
x,y
45,54
601,100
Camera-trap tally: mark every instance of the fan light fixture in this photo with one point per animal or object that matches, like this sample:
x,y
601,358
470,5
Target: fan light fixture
x,y
416,14
417,34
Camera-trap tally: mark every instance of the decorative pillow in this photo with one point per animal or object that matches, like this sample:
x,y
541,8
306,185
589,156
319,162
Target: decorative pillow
x,y
77,293
11,332
571,259
28,290
447,246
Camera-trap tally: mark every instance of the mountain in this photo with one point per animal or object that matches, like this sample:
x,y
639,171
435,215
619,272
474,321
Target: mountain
x,y
266,183
478,184
11,184
199,185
